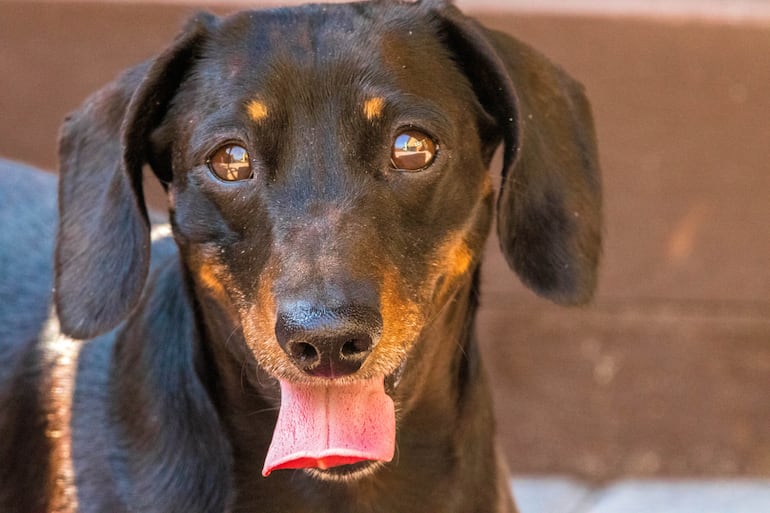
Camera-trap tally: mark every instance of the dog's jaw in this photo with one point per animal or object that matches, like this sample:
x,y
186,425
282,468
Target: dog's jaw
x,y
346,473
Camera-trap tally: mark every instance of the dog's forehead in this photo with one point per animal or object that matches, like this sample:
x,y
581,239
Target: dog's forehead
x,y
365,42
312,30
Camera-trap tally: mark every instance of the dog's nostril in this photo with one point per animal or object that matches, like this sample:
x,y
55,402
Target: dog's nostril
x,y
356,347
304,352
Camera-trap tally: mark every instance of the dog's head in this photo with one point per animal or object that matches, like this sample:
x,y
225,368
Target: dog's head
x,y
326,169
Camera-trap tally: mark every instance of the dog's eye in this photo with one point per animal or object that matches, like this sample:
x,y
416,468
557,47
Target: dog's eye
x,y
412,151
231,163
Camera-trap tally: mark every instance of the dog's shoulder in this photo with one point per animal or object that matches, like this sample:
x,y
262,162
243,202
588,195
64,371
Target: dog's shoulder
x,y
27,229
27,226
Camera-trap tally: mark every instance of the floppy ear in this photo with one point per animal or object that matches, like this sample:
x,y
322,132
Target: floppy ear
x,y
103,245
549,208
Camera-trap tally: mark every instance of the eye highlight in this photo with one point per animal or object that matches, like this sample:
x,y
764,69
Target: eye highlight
x,y
413,151
231,163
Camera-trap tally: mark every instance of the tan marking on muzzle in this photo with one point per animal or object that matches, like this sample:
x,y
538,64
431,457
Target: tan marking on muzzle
x,y
402,321
258,323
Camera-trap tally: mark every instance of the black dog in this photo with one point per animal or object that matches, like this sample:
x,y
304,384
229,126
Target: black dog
x,y
302,338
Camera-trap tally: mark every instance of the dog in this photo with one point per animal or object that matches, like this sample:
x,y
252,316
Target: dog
x,y
299,337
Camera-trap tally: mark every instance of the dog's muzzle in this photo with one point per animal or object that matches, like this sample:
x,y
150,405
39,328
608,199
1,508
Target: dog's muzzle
x,y
328,424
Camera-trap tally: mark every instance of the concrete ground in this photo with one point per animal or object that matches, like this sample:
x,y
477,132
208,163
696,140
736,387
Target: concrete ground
x,y
563,495
666,375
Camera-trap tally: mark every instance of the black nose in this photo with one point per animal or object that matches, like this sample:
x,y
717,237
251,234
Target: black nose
x,y
328,343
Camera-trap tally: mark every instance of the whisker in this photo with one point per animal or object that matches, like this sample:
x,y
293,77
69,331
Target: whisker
x,y
263,410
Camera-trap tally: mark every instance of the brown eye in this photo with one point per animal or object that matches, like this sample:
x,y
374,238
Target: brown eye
x,y
412,151
231,163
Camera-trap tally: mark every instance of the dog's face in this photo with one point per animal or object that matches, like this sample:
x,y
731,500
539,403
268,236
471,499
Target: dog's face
x,y
329,198
327,190
326,169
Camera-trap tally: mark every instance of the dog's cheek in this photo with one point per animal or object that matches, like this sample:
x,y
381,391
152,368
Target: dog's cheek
x,y
197,219
455,259
211,276
410,294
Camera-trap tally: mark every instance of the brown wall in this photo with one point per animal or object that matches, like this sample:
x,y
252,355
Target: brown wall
x,y
669,371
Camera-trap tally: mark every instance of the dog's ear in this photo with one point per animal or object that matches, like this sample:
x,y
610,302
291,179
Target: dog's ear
x,y
103,244
549,208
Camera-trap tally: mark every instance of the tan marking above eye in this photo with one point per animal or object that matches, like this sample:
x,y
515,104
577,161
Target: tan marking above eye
x,y
231,163
257,110
373,107
413,151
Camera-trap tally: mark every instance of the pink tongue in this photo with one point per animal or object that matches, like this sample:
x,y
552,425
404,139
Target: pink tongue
x,y
327,426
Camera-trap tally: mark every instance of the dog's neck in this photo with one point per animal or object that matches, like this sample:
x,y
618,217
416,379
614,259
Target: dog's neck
x,y
445,427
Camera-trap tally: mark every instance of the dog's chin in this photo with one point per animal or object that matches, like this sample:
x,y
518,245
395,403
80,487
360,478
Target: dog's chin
x,y
345,473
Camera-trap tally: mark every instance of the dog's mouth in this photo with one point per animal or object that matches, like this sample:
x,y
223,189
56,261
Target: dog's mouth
x,y
345,473
333,426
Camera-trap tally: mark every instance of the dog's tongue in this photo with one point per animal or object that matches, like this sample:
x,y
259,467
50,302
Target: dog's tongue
x,y
327,426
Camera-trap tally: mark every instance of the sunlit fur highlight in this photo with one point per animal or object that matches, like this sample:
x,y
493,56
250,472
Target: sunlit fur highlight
x,y
61,353
160,231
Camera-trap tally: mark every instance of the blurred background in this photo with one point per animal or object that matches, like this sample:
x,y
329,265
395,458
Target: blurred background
x,y
667,373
